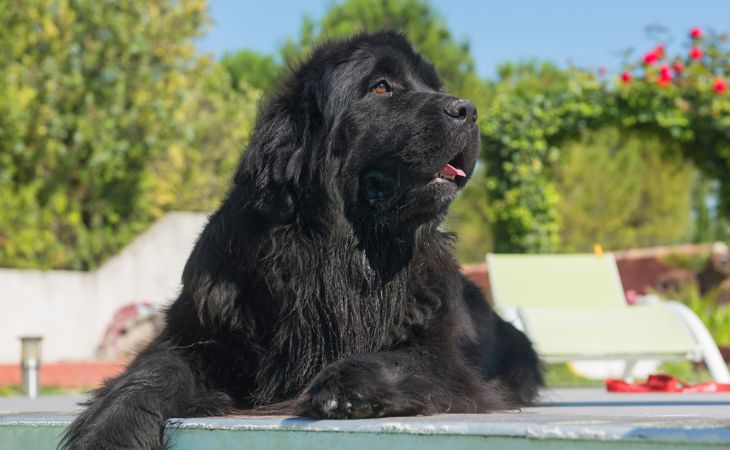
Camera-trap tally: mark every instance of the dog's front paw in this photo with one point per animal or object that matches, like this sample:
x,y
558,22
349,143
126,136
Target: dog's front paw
x,y
347,390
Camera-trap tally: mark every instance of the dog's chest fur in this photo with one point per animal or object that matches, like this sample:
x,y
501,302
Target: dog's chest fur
x,y
334,304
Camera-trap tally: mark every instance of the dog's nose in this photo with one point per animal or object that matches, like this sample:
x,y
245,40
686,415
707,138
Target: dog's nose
x,y
462,111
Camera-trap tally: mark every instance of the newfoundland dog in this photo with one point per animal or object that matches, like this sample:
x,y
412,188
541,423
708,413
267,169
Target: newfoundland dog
x,y
323,286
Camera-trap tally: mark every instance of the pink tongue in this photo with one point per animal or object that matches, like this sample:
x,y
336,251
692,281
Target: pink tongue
x,y
453,171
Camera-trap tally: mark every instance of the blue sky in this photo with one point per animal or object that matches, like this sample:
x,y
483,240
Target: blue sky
x,y
590,33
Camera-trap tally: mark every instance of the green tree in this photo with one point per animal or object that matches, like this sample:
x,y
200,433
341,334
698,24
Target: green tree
x,y
249,69
709,223
704,231
96,105
622,191
194,172
469,216
532,101
417,19
525,133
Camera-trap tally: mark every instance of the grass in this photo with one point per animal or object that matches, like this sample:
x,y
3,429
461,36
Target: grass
x,y
13,390
556,375
561,375
685,371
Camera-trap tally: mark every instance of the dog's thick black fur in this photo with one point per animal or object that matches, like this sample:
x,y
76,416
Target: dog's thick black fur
x,y
323,285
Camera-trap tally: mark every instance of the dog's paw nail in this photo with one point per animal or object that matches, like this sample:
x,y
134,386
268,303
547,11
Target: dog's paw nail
x,y
330,405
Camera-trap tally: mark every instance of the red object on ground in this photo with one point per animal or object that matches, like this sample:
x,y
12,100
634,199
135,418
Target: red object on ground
x,y
664,383
65,374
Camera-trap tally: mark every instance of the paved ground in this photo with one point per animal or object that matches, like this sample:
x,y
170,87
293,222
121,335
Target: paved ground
x,y
598,402
558,402
566,416
43,404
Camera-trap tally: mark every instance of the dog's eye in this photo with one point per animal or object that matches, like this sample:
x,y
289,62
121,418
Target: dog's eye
x,y
381,87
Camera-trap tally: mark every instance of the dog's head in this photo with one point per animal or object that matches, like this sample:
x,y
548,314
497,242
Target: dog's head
x,y
362,128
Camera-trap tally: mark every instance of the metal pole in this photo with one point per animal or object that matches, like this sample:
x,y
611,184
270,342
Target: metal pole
x,y
30,361
30,378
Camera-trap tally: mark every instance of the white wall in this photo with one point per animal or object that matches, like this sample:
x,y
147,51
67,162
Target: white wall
x,y
72,309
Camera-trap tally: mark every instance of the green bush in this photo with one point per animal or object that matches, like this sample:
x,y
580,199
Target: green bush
x,y
536,109
107,119
716,317
621,191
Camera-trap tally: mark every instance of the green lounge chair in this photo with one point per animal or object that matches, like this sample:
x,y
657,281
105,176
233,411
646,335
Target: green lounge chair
x,y
573,308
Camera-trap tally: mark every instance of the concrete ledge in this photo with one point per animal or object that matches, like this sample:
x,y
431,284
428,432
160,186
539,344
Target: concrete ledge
x,y
437,432
460,431
586,419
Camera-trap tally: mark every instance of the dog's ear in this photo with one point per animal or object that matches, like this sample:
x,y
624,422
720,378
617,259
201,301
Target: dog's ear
x,y
271,169
274,180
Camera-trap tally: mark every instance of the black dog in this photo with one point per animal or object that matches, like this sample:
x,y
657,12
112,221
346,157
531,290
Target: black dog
x,y
323,285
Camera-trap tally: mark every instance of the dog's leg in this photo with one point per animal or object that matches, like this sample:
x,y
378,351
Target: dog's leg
x,y
520,369
130,411
405,382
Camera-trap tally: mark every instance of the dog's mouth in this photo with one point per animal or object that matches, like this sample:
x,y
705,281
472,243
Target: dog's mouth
x,y
379,187
451,172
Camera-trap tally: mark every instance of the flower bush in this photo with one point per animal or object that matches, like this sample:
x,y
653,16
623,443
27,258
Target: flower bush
x,y
679,96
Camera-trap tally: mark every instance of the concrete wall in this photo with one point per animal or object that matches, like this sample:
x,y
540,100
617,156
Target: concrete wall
x,y
72,309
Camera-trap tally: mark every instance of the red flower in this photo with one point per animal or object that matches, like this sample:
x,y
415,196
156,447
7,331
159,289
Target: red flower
x,y
696,33
626,77
678,67
650,57
720,85
665,75
695,53
659,50
602,71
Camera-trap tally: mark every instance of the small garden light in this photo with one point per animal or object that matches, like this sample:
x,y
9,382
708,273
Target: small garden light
x,y
30,360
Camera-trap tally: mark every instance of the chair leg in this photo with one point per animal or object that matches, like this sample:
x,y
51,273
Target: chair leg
x,y
710,353
629,369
